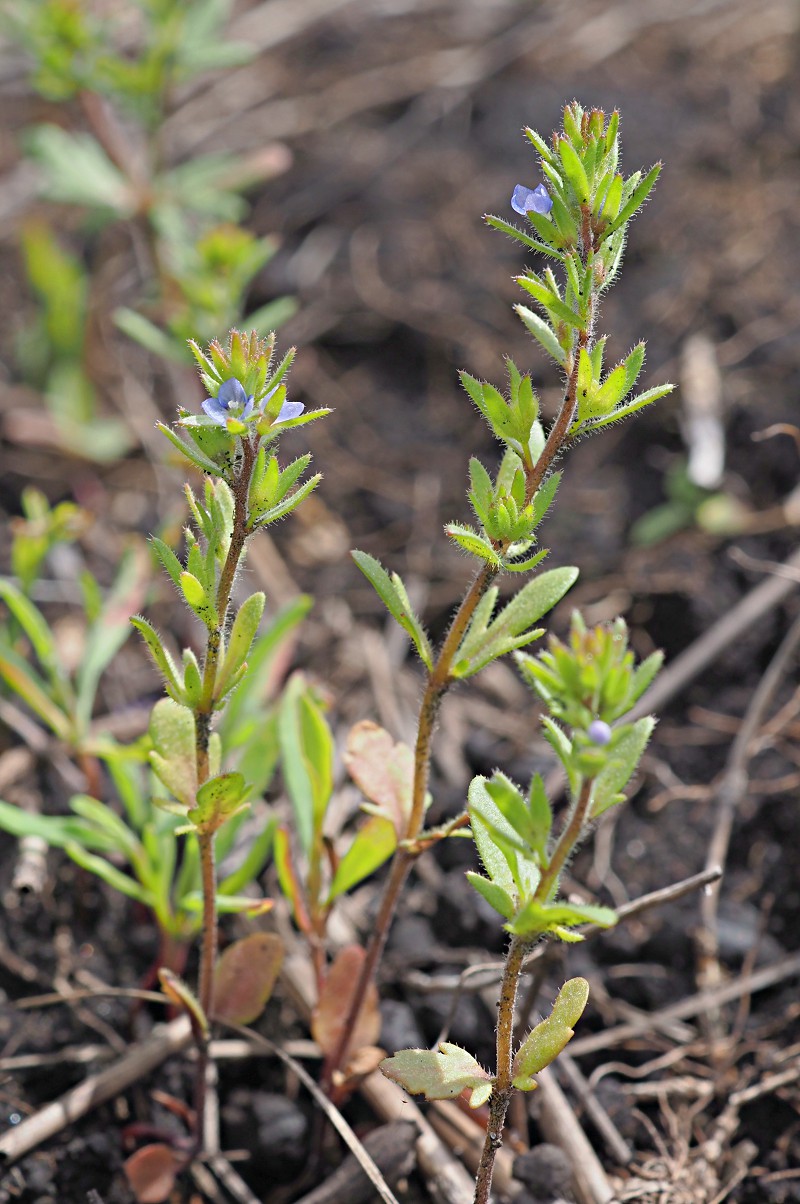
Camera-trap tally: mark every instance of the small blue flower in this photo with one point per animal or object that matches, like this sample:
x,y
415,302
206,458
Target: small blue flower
x,y
230,402
524,199
599,732
289,410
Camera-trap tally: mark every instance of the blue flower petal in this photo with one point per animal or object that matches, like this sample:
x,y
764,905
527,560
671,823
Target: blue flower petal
x,y
523,199
599,732
232,393
215,410
289,410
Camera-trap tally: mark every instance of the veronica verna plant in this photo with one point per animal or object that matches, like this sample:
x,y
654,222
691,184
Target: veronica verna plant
x,y
577,219
233,444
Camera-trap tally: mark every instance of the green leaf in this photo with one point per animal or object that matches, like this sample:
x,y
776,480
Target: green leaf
x,y
36,628
256,857
494,894
111,628
192,454
496,840
541,817
217,800
307,758
394,596
103,869
535,244
173,758
439,1074
512,628
240,641
57,831
637,199
475,544
574,170
535,918
164,662
291,502
543,332
33,691
543,1045
643,676
621,761
148,335
168,559
374,843
78,170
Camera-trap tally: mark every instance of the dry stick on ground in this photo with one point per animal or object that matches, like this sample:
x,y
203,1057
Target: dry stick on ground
x,y
731,791
704,651
94,1090
324,1104
695,1005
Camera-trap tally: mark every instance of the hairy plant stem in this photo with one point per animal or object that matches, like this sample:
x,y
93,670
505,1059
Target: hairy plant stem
x,y
439,680
202,720
503,1086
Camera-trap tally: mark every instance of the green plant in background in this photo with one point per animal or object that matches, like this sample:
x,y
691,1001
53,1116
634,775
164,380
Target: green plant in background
x,y
159,873
184,216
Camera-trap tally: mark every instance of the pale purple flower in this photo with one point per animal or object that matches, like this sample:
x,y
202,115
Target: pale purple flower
x,y
289,410
523,199
599,732
231,402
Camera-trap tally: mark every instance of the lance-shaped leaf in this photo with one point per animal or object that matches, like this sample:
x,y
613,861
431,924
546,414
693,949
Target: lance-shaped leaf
x,y
218,800
289,879
501,850
307,758
536,918
513,627
329,1016
637,199
439,1074
383,771
373,844
621,762
574,170
494,894
535,244
639,402
163,661
546,1041
245,976
33,691
181,993
240,640
289,503
192,454
392,592
543,332
472,542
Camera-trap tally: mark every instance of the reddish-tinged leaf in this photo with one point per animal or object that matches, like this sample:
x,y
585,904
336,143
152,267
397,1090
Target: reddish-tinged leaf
x,y
289,881
382,770
180,993
151,1173
331,1011
245,975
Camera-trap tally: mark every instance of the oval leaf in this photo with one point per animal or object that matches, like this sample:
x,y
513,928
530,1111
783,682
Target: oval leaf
x,y
245,976
437,1074
334,1003
151,1173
